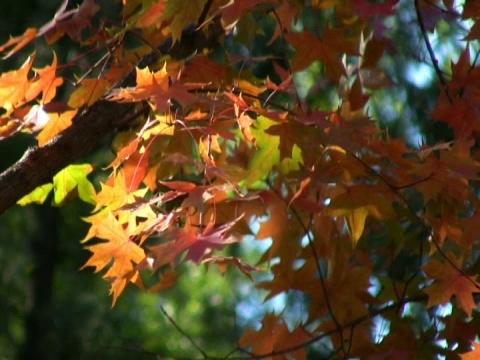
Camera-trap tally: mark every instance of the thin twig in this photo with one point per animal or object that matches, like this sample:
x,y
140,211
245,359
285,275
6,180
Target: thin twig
x,y
421,222
431,52
184,333
308,234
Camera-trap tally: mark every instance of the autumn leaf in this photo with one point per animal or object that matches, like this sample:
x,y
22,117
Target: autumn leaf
x,y
212,238
117,251
223,262
56,124
38,196
89,91
180,16
152,15
234,10
19,42
73,176
274,336
69,22
14,86
117,247
358,202
180,240
46,82
450,282
167,280
367,10
267,155
114,196
326,49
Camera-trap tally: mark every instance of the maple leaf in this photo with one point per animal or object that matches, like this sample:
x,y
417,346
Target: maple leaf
x,y
89,91
153,86
212,238
366,10
450,282
167,280
169,252
135,169
153,15
286,13
56,124
73,176
118,195
180,15
274,336
19,41
119,283
70,22
223,262
38,196
356,203
46,83
118,252
326,49
267,155
234,10
197,245
117,246
14,85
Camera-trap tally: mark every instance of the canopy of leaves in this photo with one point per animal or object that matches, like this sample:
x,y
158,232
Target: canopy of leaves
x,y
239,118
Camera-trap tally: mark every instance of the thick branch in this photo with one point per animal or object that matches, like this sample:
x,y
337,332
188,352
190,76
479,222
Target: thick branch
x,y
39,165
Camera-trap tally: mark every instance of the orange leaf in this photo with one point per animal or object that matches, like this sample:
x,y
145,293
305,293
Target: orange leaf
x,y
450,282
56,124
472,355
19,41
46,83
275,336
153,15
117,247
13,86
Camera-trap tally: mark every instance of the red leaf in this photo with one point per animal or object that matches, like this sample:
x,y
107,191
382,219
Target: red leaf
x,y
69,22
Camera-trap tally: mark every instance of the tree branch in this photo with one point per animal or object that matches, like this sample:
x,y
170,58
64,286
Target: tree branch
x,y
39,164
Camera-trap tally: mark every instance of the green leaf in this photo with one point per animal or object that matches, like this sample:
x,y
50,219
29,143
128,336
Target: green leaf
x,y
267,155
38,196
73,176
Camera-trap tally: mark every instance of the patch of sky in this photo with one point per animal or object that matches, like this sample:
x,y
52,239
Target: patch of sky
x,y
381,328
419,74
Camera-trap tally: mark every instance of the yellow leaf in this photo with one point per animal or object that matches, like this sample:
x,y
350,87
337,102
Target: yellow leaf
x,y
57,123
88,92
356,203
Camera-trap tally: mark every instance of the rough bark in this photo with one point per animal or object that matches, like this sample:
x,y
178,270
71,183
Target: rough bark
x,y
39,165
